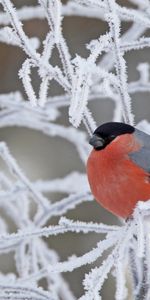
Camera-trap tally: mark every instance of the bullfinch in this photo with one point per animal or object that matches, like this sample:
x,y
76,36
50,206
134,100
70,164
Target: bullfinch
x,y
118,167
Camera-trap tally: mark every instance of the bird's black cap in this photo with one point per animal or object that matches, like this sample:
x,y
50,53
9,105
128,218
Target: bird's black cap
x,y
107,132
113,128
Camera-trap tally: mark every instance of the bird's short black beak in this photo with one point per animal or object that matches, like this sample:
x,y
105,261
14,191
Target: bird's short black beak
x,y
97,142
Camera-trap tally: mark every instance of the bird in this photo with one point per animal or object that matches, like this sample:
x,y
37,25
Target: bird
x,y
118,167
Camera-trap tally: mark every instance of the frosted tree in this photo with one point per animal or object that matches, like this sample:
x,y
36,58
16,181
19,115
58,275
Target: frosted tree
x,y
103,74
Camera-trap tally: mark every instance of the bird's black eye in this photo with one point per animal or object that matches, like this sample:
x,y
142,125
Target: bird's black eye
x,y
109,139
112,137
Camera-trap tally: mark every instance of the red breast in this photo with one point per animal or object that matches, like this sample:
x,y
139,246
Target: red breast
x,y
116,182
